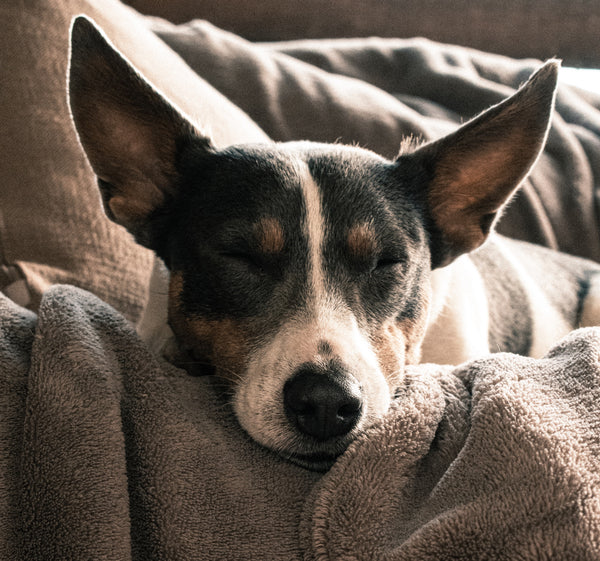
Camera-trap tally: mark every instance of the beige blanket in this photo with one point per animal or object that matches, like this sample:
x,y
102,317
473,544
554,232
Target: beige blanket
x,y
108,453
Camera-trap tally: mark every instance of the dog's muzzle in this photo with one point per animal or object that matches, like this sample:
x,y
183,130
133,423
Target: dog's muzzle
x,y
322,403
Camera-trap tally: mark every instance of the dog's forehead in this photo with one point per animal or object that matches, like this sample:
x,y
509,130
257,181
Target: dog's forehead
x,y
363,199
270,193
271,181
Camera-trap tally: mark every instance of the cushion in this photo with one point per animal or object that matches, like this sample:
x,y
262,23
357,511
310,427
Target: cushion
x,y
516,28
52,228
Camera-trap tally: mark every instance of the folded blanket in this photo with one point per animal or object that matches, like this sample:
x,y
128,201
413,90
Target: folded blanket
x,y
109,453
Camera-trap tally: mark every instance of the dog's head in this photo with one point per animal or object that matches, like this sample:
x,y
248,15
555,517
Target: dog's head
x,y
300,271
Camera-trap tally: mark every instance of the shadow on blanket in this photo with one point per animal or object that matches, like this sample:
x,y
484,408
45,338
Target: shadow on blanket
x,y
109,454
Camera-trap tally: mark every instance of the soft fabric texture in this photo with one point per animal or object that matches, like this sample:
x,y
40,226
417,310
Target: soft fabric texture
x,y
109,453
517,28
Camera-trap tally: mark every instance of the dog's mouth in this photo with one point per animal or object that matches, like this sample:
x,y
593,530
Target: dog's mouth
x,y
320,461
316,456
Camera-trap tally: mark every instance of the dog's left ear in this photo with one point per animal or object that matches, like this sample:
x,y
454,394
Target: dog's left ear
x,y
474,171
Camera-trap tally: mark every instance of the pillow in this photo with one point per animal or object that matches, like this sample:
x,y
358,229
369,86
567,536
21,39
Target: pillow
x,y
52,227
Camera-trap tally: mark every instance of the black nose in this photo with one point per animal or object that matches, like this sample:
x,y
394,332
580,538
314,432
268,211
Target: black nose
x,y
322,403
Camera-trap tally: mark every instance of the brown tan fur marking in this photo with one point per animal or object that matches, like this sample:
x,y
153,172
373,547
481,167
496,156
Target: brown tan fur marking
x,y
223,343
269,233
389,345
362,241
398,343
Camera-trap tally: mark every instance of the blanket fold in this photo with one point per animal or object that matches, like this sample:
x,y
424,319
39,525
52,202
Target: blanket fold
x,y
74,476
122,455
110,453
512,473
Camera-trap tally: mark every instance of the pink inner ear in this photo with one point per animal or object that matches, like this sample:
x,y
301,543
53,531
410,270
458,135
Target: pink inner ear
x,y
124,148
472,183
470,177
128,130
483,173
478,169
125,133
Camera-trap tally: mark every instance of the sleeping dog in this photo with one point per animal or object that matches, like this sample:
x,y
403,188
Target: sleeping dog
x,y
308,275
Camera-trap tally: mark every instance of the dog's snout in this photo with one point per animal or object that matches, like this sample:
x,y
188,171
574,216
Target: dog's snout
x,y
322,403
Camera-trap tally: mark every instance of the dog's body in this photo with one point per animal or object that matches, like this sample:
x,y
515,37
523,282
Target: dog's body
x,y
308,275
509,296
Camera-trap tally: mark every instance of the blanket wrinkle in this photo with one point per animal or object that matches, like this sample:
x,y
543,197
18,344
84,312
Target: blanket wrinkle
x,y
413,446
522,484
124,456
17,328
73,479
280,92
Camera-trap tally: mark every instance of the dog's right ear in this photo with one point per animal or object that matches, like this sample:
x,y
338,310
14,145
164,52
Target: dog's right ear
x,y
131,134
473,172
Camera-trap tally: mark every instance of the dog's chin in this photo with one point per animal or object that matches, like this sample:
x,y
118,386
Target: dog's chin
x,y
317,457
320,462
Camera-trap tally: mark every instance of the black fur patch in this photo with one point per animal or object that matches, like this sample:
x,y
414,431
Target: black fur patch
x,y
211,237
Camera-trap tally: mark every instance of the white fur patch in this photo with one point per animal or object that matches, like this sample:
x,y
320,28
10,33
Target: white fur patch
x,y
548,324
590,315
314,230
457,328
153,326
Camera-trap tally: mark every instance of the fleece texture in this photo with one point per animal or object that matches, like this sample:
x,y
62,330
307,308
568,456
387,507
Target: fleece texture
x,y
109,453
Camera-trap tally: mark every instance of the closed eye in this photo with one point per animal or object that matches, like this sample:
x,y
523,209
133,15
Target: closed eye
x,y
254,262
386,263
244,258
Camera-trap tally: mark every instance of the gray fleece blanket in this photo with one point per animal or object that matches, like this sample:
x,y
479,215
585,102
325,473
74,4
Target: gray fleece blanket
x,y
109,453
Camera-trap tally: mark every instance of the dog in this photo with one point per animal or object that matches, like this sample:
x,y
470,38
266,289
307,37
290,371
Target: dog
x,y
306,275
